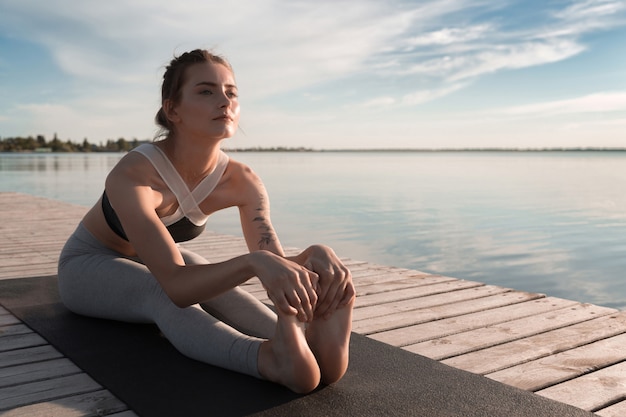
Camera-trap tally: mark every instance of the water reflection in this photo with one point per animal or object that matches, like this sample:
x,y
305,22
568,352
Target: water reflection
x,y
551,223
76,178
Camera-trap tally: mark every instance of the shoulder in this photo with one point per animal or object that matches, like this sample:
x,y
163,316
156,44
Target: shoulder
x,y
132,168
241,174
134,186
243,185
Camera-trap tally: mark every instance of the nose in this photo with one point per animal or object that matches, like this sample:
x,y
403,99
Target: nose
x,y
225,101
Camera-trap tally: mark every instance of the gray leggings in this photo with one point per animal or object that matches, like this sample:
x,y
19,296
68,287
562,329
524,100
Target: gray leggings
x,y
225,331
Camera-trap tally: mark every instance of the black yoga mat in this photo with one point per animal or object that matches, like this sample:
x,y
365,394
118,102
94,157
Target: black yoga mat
x,y
153,379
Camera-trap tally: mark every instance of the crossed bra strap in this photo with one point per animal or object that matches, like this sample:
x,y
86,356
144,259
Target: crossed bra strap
x,y
187,200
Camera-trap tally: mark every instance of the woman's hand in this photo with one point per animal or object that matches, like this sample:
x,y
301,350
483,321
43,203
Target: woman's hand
x,y
335,288
291,287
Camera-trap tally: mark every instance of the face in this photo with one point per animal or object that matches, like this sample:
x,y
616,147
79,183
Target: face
x,y
209,105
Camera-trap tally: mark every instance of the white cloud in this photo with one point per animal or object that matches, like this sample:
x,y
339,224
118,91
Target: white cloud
x,y
592,103
517,56
454,53
380,102
447,36
497,57
584,17
106,117
412,99
590,9
424,96
594,126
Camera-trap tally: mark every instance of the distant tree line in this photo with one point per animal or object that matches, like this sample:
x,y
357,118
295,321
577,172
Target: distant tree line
x,y
40,144
270,149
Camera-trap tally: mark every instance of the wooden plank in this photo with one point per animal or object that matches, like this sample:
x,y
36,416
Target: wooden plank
x,y
21,261
431,330
365,277
15,328
52,389
563,366
42,261
30,372
28,355
428,300
615,410
40,272
43,250
6,320
98,403
19,341
534,332
538,323
32,270
400,283
376,319
591,391
413,292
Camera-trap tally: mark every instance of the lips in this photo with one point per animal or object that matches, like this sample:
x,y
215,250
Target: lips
x,y
224,117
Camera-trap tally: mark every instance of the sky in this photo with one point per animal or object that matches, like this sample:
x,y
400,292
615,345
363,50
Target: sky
x,y
327,74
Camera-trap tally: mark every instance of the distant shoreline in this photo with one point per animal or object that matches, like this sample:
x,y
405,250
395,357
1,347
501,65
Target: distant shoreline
x,y
432,150
39,144
347,150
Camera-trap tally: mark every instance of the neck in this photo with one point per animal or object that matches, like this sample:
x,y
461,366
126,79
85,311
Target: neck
x,y
192,161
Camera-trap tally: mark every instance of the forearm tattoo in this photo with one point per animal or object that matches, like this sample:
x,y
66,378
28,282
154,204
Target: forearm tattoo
x,y
267,235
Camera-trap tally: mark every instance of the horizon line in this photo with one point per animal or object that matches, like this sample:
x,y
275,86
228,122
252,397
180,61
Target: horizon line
x,y
477,149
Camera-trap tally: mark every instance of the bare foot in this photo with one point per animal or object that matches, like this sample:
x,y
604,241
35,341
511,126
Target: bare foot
x,y
329,340
287,358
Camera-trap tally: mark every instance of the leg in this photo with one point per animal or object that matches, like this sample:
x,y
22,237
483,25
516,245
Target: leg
x,y
286,358
97,282
237,307
241,310
330,342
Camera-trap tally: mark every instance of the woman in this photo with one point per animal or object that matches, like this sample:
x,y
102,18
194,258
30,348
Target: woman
x,y
122,262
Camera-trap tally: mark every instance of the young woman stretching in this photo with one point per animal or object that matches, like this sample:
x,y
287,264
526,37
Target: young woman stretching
x,y
123,263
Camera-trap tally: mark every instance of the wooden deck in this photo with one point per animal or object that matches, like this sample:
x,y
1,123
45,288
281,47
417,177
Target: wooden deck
x,y
571,352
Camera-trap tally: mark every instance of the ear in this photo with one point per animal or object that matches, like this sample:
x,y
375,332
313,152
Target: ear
x,y
169,108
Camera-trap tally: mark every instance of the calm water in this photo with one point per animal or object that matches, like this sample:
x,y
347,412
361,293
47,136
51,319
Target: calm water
x,y
550,222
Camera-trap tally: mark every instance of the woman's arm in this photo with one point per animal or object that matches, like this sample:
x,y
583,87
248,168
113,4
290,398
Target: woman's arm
x,y
135,202
254,212
334,288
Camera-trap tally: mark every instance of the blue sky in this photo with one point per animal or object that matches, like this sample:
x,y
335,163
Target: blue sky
x,y
327,73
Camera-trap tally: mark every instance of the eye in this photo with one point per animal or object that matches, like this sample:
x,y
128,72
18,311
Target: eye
x,y
232,94
206,92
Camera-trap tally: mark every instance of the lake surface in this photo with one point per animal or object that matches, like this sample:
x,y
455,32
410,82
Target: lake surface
x,y
549,222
